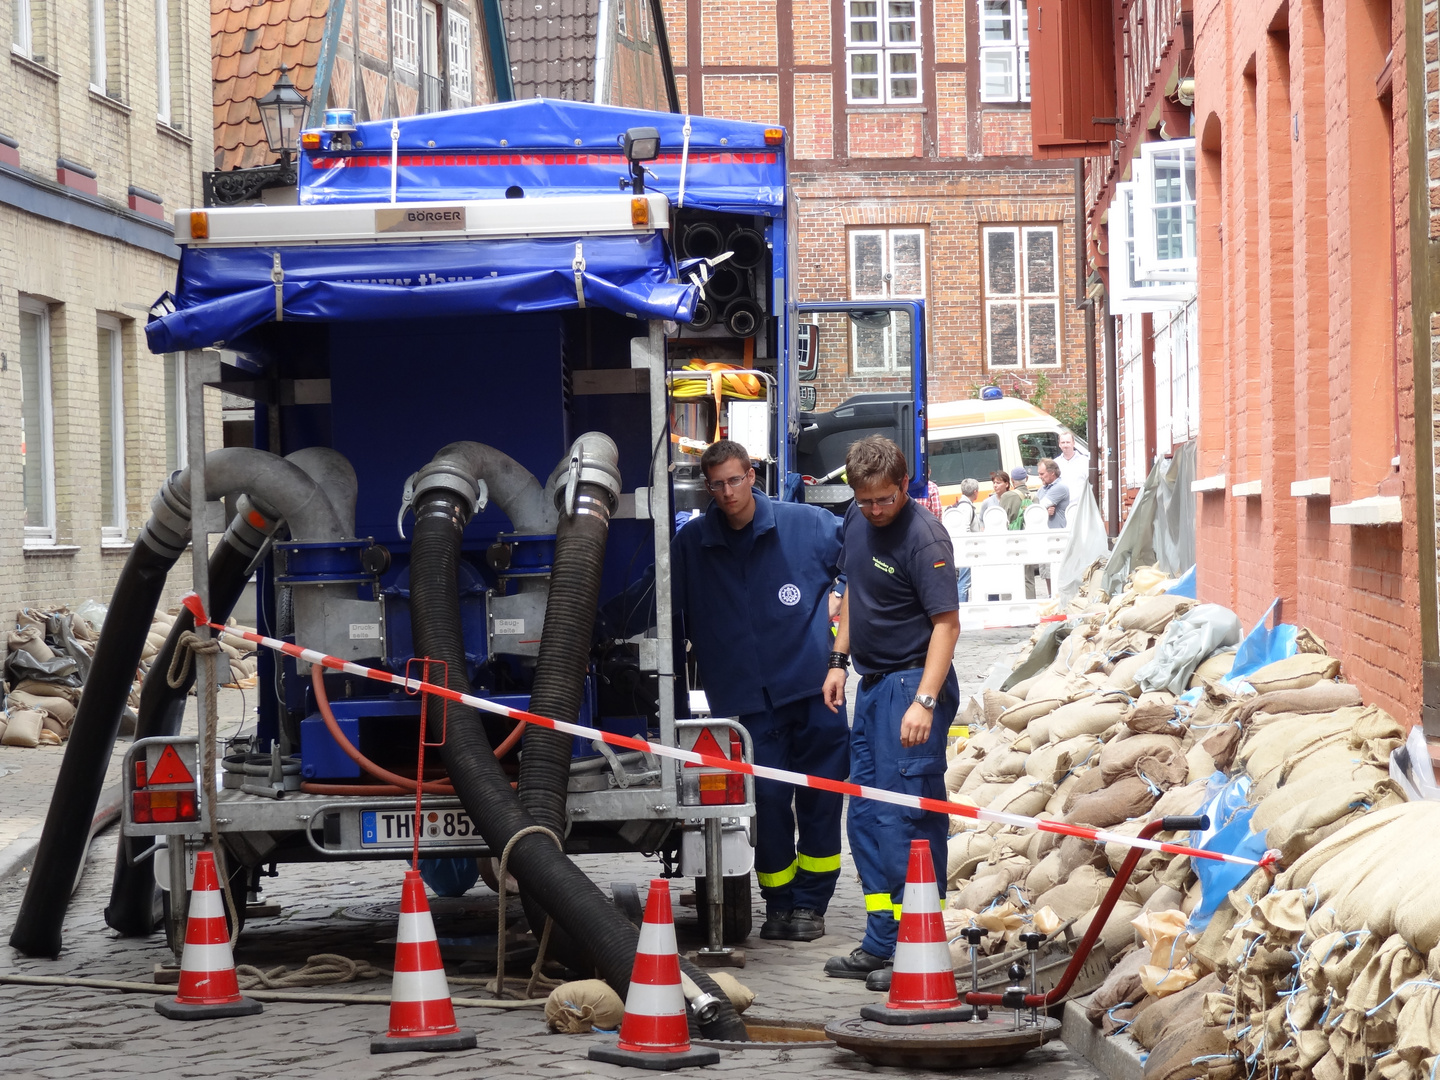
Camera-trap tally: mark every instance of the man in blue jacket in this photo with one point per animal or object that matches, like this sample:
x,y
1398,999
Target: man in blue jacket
x,y
752,582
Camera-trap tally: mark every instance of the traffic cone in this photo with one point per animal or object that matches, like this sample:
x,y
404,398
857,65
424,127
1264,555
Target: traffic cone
x,y
208,989
654,1033
421,1016
922,985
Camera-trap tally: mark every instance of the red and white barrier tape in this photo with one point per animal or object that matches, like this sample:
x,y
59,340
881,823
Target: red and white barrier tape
x,y
690,757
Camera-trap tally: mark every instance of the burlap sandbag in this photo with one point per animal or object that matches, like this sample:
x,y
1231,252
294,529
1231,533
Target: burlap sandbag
x,y
574,1008
1154,713
1077,895
1199,763
40,688
1340,847
1024,795
31,639
1022,688
1294,673
23,728
1301,828
1122,675
1045,875
1268,744
741,996
1093,715
1018,717
1127,798
990,883
1180,1009
1054,761
1187,1053
1062,686
996,702
51,705
1002,766
1213,668
958,771
1153,614
1064,792
1157,757
964,852
1121,986
1117,934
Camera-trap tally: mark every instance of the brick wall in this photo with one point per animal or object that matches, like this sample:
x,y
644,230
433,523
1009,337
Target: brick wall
x,y
738,32
743,97
1005,132
1306,355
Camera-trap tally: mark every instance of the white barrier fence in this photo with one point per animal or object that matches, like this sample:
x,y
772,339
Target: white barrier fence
x,y
999,560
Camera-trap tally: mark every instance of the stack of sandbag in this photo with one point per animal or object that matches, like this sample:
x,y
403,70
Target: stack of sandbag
x,y
239,654
43,664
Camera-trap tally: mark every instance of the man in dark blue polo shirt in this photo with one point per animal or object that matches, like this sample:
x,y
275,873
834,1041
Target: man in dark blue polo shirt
x,y
899,620
752,583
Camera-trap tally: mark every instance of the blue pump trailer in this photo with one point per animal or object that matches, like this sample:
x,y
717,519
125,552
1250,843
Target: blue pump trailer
x,y
505,275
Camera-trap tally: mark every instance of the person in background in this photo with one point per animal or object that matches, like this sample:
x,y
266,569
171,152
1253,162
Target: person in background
x,y
1009,501
932,497
753,581
1055,495
1074,465
900,616
969,488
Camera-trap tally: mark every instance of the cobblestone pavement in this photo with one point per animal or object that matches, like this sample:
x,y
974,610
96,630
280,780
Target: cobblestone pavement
x,y
349,908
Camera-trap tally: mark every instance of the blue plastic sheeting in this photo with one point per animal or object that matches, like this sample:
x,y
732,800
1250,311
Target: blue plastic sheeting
x,y
1185,586
545,148
1230,833
223,293
1264,645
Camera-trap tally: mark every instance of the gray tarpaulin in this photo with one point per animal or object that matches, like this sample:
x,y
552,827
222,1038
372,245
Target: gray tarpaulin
x,y
1161,527
1088,543
1188,640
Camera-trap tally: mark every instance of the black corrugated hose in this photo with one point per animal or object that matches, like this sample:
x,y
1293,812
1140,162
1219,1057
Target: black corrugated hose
x,y
574,901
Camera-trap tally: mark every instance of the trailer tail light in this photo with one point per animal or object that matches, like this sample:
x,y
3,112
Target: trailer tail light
x,y
160,807
310,140
713,788
140,774
640,213
774,136
734,781
199,225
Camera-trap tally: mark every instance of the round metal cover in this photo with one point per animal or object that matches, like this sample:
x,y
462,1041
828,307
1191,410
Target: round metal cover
x,y
944,1046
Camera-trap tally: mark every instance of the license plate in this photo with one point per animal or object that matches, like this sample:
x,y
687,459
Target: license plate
x,y
438,828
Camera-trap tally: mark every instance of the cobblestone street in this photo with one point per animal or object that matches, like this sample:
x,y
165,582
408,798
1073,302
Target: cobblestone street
x,y
349,908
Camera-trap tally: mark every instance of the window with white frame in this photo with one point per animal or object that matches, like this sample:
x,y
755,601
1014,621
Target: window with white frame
x,y
1164,199
457,45
175,412
22,38
885,264
37,423
1132,390
882,52
110,368
405,32
1021,295
98,67
642,19
1129,292
1004,50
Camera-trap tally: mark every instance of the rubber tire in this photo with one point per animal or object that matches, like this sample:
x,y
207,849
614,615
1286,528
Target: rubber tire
x,y
736,915
239,889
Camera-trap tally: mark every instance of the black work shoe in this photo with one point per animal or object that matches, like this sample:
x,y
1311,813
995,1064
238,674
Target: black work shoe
x,y
858,965
879,981
776,926
805,925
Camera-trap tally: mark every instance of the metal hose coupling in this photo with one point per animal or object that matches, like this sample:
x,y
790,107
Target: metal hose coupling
x,y
593,459
443,475
167,533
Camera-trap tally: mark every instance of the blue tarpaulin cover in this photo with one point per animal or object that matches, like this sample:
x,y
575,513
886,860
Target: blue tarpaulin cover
x,y
223,293
547,147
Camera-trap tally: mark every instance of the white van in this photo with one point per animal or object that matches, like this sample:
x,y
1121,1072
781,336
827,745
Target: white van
x,y
973,438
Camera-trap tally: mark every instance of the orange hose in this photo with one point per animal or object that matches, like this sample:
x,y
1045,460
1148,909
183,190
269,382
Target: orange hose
x,y
508,743
357,789
404,783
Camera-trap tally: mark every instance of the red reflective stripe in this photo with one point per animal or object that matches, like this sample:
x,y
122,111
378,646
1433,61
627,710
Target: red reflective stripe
x,y
417,956
656,969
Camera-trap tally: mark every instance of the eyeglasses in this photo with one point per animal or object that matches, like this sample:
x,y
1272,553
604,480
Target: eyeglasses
x,y
730,482
888,500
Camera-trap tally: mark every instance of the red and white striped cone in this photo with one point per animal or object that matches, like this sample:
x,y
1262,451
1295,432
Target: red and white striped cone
x,y
922,985
654,1033
208,989
421,1015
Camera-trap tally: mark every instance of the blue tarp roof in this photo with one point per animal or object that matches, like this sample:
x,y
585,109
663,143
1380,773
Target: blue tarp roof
x,y
547,147
224,293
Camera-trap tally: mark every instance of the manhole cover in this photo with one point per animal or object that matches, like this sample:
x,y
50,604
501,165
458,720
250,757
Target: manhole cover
x,y
943,1046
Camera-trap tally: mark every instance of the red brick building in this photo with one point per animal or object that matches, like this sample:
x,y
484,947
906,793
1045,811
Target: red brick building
x,y
910,151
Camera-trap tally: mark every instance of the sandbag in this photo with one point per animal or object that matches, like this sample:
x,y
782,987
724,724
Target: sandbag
x,y
1122,675
1080,893
1117,934
1126,798
1214,668
51,705
1093,715
964,852
1294,673
1153,614
1025,796
1154,713
1121,986
1045,875
1065,791
1002,766
958,771
1181,1009
1054,761
574,1008
996,702
1157,757
1018,717
740,995
23,728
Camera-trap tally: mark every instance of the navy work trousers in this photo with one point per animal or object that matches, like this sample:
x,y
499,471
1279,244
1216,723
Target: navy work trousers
x,y
880,833
803,736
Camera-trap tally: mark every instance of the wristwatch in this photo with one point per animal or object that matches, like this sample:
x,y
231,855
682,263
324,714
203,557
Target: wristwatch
x,y
925,701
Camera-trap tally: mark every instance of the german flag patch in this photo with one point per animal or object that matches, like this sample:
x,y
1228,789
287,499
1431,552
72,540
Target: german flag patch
x,y
939,564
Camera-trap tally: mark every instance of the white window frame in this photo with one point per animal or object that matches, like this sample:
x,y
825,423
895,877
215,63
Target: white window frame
x,y
1008,54
1151,266
181,413
457,49
162,61
621,23
405,34
884,50
1023,299
99,72
1132,387
1129,293
113,531
642,19
43,535
22,39
892,361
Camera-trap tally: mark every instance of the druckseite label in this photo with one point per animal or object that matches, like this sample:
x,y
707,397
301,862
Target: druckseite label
x,y
420,219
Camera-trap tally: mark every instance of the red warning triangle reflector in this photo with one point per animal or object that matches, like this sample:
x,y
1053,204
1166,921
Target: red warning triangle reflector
x,y
706,744
170,769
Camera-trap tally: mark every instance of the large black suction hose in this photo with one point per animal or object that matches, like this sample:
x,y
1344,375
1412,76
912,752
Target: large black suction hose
x,y
587,491
231,471
571,898
133,891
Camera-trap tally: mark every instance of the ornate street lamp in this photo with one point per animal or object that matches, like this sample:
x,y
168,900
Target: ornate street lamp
x,y
282,114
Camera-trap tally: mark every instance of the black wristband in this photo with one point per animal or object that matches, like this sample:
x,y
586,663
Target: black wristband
x,y
838,660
